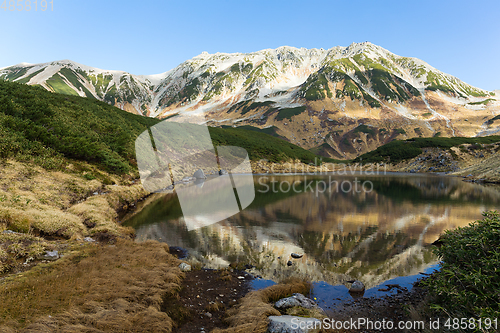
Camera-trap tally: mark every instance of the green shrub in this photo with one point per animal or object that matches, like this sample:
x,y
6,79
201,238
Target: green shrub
x,y
39,125
468,283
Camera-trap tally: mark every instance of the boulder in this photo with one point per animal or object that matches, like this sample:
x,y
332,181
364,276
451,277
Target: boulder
x,y
50,255
295,300
357,287
199,174
292,324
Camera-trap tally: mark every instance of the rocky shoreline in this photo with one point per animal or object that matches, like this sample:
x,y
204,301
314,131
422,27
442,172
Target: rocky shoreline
x,y
207,294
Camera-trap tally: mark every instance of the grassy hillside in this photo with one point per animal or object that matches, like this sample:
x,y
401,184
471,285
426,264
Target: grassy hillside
x,y
260,145
45,128
397,151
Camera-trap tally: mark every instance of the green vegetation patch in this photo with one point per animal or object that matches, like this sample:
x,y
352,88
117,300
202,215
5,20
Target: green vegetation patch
x,y
489,122
392,152
467,284
486,101
365,129
362,59
351,89
288,113
260,145
397,150
58,85
315,87
38,125
382,82
48,128
246,106
71,77
101,82
371,101
29,77
435,82
271,130
16,73
190,91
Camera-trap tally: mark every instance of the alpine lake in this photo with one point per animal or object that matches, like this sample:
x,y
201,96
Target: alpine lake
x,y
375,228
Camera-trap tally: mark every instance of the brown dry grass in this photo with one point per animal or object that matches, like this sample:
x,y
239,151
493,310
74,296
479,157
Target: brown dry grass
x,y
117,288
15,246
62,203
225,275
250,315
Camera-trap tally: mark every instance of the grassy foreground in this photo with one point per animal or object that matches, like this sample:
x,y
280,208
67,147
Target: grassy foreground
x,y
118,288
250,315
42,204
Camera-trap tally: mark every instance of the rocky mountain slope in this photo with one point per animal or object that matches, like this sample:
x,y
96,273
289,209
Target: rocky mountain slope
x,y
339,102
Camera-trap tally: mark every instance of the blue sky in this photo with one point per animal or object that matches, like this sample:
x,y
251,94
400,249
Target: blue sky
x,y
458,37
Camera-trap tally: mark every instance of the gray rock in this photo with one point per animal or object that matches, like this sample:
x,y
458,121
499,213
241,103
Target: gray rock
x,y
289,263
295,300
199,174
89,239
296,256
185,267
357,287
292,324
10,232
50,255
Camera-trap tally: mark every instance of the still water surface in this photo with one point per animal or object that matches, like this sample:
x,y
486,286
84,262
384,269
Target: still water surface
x,y
378,233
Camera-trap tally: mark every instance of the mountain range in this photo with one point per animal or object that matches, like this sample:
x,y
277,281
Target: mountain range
x,y
339,103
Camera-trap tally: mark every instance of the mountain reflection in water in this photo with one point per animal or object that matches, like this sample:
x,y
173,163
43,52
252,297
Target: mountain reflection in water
x,y
372,236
